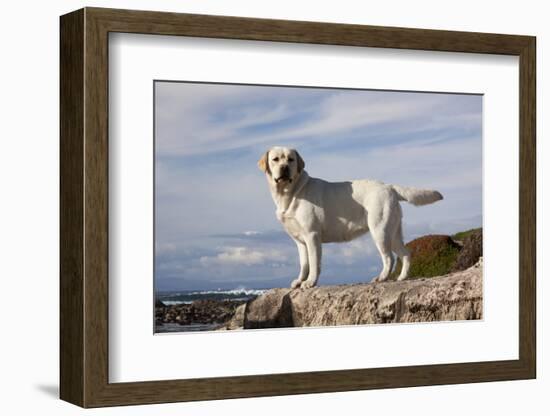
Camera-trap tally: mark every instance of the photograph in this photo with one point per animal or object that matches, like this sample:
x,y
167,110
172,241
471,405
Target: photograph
x,y
284,206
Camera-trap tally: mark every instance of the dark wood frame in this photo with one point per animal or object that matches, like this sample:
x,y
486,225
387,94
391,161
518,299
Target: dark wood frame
x,y
84,207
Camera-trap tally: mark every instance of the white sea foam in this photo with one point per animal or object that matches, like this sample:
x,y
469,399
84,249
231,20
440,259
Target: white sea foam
x,y
238,294
247,292
176,302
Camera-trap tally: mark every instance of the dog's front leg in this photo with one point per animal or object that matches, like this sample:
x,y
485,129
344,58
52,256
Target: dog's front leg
x,y
304,265
313,244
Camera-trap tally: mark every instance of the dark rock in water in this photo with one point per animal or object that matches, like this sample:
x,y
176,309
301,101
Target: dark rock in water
x,y
184,320
472,250
159,304
204,311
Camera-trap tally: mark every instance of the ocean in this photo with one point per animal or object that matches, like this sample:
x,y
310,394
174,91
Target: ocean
x,y
188,296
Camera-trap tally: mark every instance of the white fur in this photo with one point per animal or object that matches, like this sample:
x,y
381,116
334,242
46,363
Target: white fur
x,y
314,211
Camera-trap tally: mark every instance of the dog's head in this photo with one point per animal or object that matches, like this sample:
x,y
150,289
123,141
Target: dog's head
x,y
282,165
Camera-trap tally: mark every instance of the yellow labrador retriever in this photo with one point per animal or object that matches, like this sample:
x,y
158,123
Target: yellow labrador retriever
x,y
314,211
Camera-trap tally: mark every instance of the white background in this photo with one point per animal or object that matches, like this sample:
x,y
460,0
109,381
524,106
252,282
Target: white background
x,y
138,59
29,217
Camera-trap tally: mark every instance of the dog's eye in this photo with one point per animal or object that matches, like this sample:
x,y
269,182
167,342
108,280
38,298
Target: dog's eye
x,y
290,159
275,159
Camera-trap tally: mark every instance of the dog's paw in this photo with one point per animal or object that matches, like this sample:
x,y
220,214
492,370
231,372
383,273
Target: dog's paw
x,y
379,279
306,284
295,284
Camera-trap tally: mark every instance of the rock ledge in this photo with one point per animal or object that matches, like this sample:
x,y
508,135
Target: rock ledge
x,y
455,296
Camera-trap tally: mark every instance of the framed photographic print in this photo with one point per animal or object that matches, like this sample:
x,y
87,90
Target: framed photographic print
x,y
255,207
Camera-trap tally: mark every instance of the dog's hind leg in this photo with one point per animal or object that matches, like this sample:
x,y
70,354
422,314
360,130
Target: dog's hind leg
x,y
383,218
398,246
383,243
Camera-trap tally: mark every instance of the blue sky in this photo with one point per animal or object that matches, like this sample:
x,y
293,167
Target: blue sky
x,y
215,220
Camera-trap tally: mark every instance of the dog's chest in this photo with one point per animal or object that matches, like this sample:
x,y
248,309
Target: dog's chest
x,y
291,225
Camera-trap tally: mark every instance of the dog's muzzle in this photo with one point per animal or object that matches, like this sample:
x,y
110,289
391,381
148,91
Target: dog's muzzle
x,y
285,175
283,179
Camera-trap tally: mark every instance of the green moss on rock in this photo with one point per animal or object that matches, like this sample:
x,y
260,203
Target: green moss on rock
x,y
461,236
431,255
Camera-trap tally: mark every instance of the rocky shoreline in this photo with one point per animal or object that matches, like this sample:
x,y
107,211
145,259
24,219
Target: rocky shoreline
x,y
204,311
445,284
455,296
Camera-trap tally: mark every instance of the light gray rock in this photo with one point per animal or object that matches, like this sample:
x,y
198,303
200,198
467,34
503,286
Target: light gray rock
x,y
270,310
236,322
456,296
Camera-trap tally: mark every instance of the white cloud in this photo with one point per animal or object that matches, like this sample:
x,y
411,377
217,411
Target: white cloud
x,y
449,164
357,248
165,248
243,256
350,252
203,118
186,125
343,112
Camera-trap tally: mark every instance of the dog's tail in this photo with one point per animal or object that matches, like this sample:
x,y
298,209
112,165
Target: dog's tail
x,y
417,196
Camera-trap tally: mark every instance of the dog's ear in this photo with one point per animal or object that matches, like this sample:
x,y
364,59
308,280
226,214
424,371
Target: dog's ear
x,y
301,163
263,163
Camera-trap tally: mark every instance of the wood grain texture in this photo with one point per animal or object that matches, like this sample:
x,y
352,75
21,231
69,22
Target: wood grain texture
x,y
227,27
84,207
71,158
527,208
96,219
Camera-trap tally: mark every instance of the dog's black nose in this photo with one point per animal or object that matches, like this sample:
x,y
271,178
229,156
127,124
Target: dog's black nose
x,y
285,170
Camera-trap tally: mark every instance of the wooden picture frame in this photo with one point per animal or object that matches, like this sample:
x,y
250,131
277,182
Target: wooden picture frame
x,y
84,207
